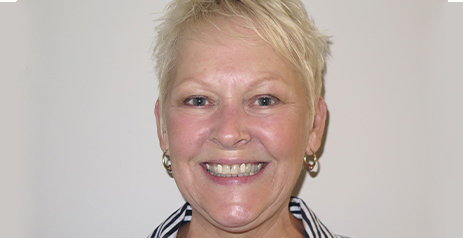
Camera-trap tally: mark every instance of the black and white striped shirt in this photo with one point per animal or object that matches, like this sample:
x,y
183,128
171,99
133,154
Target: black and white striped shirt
x,y
314,228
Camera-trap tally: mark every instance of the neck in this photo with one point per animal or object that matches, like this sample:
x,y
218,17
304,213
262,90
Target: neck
x,y
281,224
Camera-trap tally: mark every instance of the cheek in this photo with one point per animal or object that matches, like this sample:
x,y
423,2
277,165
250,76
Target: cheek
x,y
185,134
284,138
284,135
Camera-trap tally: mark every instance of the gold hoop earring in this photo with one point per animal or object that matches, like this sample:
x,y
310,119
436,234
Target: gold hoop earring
x,y
308,166
166,162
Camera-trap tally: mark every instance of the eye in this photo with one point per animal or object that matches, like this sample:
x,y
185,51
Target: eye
x,y
266,101
196,101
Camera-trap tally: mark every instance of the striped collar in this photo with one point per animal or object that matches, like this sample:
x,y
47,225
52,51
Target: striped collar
x,y
314,228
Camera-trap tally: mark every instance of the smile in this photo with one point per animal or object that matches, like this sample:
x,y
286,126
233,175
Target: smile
x,y
235,170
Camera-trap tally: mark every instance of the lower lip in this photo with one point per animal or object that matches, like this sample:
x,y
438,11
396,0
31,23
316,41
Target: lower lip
x,y
228,181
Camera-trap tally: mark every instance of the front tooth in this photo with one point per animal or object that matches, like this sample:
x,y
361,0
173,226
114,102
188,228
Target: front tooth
x,y
248,168
242,168
235,169
226,169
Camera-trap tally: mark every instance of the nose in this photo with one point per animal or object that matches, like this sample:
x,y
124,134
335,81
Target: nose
x,y
230,127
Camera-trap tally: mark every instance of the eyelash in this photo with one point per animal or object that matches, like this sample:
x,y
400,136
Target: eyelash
x,y
189,99
255,101
274,99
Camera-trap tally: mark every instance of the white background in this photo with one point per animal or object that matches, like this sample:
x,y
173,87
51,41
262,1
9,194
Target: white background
x,y
80,156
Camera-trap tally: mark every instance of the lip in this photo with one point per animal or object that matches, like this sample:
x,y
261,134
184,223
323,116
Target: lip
x,y
232,181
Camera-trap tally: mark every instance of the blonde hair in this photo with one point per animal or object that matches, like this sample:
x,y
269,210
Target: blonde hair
x,y
283,24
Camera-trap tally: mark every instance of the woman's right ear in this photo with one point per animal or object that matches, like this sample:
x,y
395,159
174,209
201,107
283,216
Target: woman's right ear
x,y
162,135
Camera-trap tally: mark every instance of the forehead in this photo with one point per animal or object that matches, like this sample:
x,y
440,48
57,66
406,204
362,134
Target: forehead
x,y
236,52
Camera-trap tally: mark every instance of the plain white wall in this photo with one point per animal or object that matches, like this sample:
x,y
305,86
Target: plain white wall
x,y
15,193
80,155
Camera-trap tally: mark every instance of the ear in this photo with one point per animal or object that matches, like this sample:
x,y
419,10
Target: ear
x,y
162,135
315,137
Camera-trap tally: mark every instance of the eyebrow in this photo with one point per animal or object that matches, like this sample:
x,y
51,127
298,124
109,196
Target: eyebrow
x,y
191,79
259,80
269,77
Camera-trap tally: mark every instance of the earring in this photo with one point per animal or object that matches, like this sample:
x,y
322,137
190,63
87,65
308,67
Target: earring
x,y
308,166
166,162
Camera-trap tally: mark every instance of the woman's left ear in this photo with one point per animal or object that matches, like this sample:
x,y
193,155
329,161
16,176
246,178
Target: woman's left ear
x,y
315,137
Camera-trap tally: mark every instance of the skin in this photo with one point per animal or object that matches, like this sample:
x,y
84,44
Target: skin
x,y
235,102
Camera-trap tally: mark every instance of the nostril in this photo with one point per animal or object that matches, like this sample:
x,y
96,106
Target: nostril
x,y
231,137
242,141
231,128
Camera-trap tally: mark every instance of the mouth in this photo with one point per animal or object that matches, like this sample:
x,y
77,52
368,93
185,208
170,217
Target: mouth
x,y
234,170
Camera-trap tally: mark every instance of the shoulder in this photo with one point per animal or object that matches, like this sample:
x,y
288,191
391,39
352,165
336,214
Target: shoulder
x,y
169,228
312,225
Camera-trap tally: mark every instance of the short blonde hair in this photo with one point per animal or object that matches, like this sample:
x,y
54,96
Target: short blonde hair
x,y
283,24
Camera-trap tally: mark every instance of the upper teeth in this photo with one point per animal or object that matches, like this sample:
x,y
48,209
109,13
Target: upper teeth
x,y
235,170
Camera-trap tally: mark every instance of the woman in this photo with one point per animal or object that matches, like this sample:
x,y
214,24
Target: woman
x,y
238,112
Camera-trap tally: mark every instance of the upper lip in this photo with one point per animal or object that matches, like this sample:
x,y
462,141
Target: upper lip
x,y
239,161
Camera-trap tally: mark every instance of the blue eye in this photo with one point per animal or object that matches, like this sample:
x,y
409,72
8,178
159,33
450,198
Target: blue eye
x,y
265,101
196,101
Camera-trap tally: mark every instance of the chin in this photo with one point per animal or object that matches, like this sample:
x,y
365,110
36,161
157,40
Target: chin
x,y
233,217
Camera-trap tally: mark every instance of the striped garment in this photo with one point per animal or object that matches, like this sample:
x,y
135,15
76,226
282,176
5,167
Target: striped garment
x,y
314,228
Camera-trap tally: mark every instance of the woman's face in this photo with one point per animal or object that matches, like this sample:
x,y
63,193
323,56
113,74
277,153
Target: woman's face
x,y
235,108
